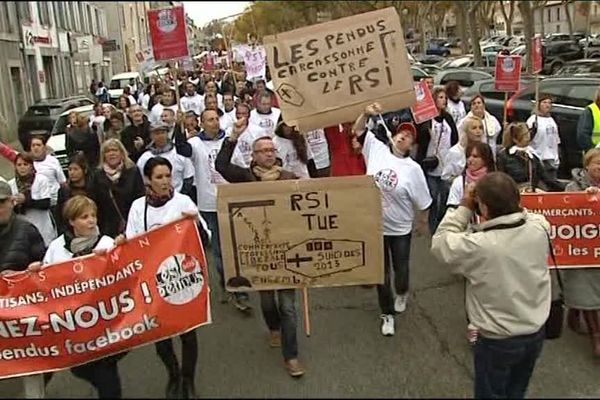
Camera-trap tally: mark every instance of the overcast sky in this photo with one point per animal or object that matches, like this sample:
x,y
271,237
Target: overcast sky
x,y
202,12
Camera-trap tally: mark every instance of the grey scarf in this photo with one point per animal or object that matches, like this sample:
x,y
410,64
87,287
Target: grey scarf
x,y
84,245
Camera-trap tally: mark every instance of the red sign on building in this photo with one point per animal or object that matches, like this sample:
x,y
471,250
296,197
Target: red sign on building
x,y
424,109
508,73
536,54
168,33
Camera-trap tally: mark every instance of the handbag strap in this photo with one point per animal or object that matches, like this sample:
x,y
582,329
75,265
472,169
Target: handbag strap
x,y
558,277
437,147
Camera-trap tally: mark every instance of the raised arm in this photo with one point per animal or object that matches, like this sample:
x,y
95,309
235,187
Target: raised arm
x,y
360,125
223,164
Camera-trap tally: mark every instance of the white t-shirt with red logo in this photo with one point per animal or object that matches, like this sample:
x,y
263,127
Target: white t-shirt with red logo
x,y
401,182
265,122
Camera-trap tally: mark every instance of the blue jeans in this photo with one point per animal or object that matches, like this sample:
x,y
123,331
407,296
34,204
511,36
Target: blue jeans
x,y
215,246
396,250
439,191
503,367
282,317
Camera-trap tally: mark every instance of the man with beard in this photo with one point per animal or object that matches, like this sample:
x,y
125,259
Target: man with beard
x,y
192,101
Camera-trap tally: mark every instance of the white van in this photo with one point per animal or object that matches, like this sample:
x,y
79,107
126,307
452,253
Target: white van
x,y
119,81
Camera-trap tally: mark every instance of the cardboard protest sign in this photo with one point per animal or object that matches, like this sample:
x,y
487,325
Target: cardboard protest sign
x,y
301,233
508,73
255,62
153,287
575,226
168,33
424,109
536,56
326,74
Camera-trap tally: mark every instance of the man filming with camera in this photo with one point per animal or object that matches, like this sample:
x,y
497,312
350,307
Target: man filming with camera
x,y
508,294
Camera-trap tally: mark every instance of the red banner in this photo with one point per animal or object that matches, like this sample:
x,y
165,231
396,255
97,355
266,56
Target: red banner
x,y
168,33
153,287
575,226
536,54
424,109
508,73
209,63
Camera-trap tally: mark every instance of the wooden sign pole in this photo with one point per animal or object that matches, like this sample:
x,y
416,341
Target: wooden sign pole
x,y
305,307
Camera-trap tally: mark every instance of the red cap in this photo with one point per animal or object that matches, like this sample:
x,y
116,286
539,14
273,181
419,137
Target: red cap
x,y
407,126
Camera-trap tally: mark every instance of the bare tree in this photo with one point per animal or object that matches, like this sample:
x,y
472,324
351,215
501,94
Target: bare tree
x,y
474,30
539,5
508,17
462,10
567,4
525,7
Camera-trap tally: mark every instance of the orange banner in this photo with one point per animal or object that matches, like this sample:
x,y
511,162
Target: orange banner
x,y
153,287
575,226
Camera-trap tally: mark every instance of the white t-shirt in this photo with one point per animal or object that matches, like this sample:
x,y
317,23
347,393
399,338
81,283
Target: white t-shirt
x,y
265,122
546,141
58,253
51,169
457,110
401,182
204,155
440,133
457,190
41,219
192,103
182,166
242,155
145,100
454,162
141,218
219,101
157,110
132,100
226,122
318,145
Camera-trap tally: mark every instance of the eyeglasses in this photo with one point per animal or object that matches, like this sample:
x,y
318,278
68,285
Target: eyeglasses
x,y
265,151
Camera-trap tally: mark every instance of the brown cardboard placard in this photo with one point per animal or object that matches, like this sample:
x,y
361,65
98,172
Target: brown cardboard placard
x,y
301,233
326,74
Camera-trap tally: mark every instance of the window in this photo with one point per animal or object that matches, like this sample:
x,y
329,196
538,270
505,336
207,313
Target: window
x,y
23,11
76,16
549,18
43,13
558,13
98,24
82,18
90,20
4,25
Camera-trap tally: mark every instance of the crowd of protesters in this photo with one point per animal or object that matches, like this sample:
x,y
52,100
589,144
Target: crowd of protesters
x,y
149,159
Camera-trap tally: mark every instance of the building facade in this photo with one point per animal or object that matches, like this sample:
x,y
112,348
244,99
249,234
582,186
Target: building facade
x,y
552,18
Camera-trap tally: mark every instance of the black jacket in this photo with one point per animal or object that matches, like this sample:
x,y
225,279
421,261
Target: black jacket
x,y
21,245
114,199
517,166
234,173
86,141
129,134
424,134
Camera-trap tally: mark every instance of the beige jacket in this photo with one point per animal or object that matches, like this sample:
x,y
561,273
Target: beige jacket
x,y
508,280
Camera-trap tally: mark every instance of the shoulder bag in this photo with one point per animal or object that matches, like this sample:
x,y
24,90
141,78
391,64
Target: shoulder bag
x,y
430,163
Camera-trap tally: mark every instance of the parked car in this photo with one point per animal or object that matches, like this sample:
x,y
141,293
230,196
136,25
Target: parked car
x,y
429,59
492,48
429,68
42,115
119,81
561,37
570,97
557,54
468,61
438,47
594,40
418,73
578,67
466,77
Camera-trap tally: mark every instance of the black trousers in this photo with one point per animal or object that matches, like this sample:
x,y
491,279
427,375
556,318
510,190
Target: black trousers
x,y
103,375
189,349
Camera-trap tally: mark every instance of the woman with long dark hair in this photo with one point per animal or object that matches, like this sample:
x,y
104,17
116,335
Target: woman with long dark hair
x,y
78,184
162,205
480,162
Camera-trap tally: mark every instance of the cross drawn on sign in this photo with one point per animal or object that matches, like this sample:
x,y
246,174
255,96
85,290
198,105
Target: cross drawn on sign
x,y
297,260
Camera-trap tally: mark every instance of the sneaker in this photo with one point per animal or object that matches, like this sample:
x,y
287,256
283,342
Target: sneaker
x,y
241,303
400,303
274,339
387,326
294,368
472,334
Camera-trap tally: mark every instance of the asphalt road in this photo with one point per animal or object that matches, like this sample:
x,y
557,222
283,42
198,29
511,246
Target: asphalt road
x,y
346,355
